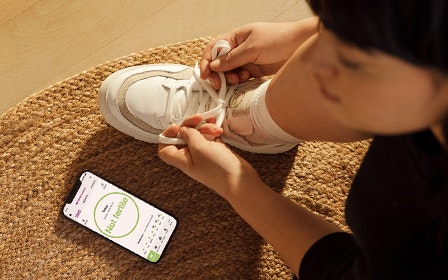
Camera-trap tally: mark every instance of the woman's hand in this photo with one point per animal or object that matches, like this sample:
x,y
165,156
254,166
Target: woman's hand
x,y
272,215
257,50
210,162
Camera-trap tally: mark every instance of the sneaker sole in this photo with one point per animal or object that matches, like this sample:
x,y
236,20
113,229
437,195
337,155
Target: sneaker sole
x,y
261,149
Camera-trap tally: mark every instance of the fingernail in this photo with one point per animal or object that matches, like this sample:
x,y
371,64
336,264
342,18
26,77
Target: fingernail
x,y
244,75
233,80
214,83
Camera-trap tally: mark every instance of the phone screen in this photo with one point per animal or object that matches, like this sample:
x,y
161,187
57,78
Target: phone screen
x,y
119,216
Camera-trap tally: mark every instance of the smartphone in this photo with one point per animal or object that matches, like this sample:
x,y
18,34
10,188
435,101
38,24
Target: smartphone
x,y
119,216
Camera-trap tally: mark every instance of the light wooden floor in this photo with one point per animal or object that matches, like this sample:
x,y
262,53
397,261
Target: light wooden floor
x,y
45,41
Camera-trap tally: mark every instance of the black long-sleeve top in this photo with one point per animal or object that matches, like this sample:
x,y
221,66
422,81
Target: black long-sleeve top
x,y
397,209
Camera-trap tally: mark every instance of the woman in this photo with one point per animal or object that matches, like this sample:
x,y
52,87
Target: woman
x,y
373,68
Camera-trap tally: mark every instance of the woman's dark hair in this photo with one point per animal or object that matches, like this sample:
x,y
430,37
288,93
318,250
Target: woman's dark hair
x,y
413,30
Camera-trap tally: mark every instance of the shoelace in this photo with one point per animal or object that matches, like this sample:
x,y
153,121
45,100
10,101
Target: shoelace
x,y
200,92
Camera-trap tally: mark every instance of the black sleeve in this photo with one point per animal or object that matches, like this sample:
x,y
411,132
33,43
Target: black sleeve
x,y
397,210
335,256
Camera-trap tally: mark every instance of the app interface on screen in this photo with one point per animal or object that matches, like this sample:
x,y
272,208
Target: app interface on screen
x,y
121,217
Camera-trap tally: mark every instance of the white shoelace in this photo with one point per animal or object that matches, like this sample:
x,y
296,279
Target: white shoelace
x,y
203,91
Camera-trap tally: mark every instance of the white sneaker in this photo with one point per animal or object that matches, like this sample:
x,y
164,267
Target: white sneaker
x,y
142,101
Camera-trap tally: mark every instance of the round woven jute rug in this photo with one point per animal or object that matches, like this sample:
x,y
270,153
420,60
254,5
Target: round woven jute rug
x,y
55,134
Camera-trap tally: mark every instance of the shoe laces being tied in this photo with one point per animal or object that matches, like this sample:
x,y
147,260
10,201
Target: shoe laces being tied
x,y
199,92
